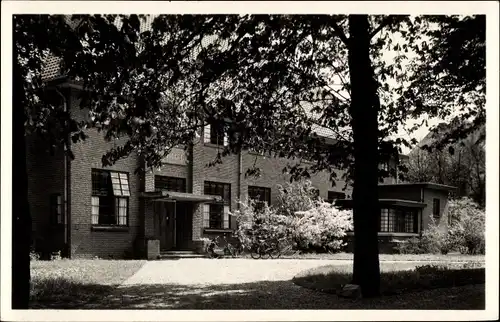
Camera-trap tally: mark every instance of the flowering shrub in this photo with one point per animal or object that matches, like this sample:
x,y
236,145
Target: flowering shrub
x,y
321,227
297,196
259,223
300,218
466,233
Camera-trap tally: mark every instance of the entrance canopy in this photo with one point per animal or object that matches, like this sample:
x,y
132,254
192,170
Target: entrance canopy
x,y
168,196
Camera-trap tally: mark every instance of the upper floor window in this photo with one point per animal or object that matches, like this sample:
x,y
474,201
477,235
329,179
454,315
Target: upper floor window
x,y
215,134
170,184
110,196
216,215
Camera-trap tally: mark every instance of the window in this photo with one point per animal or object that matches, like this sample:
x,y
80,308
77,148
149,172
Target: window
x,y
215,134
261,195
334,195
436,208
384,165
216,215
56,209
110,192
170,184
398,220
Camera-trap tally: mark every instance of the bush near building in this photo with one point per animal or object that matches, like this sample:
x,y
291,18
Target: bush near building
x,y
465,232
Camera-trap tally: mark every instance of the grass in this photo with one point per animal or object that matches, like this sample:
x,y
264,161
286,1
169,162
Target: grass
x,y
63,281
396,278
390,257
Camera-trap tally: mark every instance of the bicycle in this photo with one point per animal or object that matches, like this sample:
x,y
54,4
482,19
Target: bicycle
x,y
227,250
262,249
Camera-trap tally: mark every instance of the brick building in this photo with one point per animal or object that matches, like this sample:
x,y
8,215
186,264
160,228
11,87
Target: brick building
x,y
85,210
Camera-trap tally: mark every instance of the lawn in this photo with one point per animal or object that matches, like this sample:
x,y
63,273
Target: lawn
x,y
396,278
63,281
390,257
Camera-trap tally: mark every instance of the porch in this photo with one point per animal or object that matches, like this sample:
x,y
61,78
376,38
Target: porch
x,y
173,222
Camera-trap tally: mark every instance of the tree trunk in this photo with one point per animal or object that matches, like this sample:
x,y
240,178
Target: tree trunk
x,y
21,218
364,110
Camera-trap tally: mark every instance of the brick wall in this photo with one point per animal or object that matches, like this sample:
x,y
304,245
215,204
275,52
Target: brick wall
x,y
272,174
85,242
45,177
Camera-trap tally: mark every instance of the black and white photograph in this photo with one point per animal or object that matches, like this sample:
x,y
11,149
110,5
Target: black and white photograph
x,y
238,157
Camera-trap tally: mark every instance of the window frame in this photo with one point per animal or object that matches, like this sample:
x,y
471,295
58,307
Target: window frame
x,y
210,188
330,197
56,209
436,208
398,220
172,181
111,196
260,194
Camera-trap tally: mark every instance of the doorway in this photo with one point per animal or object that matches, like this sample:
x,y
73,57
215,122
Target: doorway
x,y
174,225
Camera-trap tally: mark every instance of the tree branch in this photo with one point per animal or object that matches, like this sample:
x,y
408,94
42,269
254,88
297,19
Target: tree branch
x,y
387,21
340,33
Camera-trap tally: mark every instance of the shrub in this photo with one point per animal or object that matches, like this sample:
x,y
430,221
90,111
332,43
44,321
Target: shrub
x,y
300,219
322,227
410,246
34,256
259,223
466,233
297,196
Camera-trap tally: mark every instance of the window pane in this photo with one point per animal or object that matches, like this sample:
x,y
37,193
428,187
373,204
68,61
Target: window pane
x,y
121,211
206,215
101,182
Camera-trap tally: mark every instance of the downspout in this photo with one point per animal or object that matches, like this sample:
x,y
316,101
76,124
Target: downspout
x,y
421,211
66,166
240,170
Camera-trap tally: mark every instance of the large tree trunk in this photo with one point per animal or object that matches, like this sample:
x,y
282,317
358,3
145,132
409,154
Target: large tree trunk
x,y
364,110
21,218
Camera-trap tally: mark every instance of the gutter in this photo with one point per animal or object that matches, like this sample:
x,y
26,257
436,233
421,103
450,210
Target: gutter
x,y
67,171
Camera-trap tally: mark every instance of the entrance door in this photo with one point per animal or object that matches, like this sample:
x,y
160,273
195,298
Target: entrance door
x,y
184,226
166,217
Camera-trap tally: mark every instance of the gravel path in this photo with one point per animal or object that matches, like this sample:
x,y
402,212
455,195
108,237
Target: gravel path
x,y
222,271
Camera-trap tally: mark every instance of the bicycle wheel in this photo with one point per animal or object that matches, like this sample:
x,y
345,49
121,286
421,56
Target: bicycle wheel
x,y
275,252
265,253
232,250
255,253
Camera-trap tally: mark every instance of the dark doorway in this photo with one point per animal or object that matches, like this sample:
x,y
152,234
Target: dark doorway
x,y
184,225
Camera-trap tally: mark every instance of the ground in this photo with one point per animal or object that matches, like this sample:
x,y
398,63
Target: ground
x,y
240,284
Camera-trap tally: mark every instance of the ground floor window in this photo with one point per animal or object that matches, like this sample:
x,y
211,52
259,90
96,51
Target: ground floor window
x,y
261,196
398,220
216,215
334,195
170,184
110,197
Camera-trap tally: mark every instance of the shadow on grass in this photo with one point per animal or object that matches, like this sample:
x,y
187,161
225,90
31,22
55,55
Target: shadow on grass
x,y
394,280
257,295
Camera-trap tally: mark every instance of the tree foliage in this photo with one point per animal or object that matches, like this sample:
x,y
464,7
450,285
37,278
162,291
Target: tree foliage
x,y
269,80
465,168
